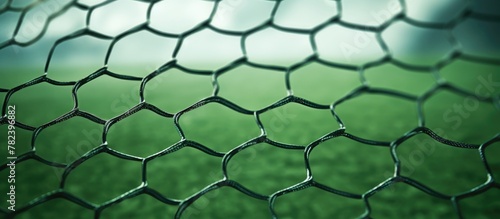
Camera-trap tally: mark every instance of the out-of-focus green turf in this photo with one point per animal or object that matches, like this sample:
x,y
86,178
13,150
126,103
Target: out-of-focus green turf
x,y
340,163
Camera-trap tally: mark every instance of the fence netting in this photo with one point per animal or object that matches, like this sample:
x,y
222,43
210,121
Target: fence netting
x,y
342,130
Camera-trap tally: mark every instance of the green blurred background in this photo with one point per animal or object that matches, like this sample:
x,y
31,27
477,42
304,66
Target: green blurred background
x,y
340,163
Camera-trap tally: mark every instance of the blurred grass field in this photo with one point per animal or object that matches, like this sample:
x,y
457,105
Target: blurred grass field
x,y
340,163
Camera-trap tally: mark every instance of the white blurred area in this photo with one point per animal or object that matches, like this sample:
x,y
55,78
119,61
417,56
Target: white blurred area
x,y
144,51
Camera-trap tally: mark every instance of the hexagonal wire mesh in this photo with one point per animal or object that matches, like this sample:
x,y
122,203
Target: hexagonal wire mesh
x,y
207,40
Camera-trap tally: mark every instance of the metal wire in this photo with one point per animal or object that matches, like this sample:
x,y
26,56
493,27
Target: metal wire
x,y
227,181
